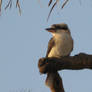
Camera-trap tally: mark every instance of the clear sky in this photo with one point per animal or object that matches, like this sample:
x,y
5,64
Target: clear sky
x,y
23,41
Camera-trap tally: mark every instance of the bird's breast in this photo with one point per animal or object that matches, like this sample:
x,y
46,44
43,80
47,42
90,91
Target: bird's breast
x,y
63,46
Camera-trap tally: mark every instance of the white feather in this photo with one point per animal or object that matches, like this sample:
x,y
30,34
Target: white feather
x,y
63,45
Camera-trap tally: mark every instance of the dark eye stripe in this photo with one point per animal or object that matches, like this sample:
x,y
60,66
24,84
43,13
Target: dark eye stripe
x,y
63,27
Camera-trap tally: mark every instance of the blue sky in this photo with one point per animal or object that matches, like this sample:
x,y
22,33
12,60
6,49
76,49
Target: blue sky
x,y
23,41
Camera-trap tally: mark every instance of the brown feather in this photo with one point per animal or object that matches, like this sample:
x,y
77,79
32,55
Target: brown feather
x,y
50,46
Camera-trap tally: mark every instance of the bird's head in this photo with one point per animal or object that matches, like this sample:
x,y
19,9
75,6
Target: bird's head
x,y
57,29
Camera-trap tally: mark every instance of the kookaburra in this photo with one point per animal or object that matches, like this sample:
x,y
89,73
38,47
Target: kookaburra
x,y
60,45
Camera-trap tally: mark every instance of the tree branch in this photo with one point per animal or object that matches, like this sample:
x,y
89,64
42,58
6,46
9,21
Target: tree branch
x,y
54,82
52,65
64,2
80,61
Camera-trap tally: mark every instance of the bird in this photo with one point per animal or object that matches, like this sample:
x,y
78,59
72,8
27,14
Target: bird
x,y
60,45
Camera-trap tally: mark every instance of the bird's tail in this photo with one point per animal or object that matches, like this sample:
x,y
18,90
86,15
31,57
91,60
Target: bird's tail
x,y
54,82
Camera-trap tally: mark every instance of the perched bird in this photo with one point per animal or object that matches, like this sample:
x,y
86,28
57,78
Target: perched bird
x,y
60,45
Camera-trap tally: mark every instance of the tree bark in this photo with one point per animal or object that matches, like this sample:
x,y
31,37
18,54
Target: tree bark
x,y
77,62
54,82
52,65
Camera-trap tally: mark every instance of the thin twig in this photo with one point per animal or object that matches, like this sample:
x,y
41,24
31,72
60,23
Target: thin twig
x,y
9,4
0,6
64,3
52,9
18,5
50,2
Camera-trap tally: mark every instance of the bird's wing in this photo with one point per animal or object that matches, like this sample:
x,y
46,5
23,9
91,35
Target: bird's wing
x,y
50,46
72,47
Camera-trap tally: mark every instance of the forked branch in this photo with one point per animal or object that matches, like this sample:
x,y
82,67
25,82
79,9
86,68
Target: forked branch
x,y
52,65
77,62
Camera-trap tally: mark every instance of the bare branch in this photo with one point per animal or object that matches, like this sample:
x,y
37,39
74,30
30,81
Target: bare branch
x,y
18,5
50,2
54,82
9,4
52,65
0,6
51,10
77,62
64,3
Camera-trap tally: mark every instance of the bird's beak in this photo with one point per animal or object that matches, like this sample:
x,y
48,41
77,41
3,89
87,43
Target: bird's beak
x,y
52,30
